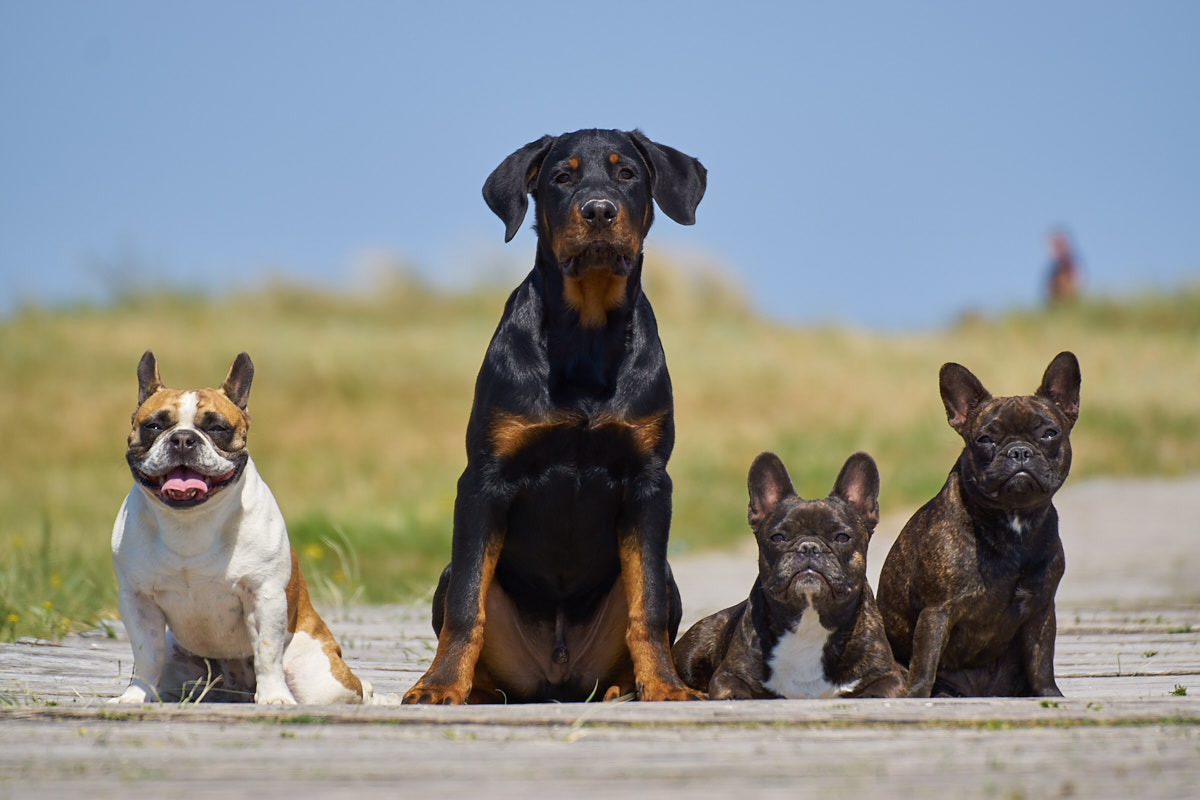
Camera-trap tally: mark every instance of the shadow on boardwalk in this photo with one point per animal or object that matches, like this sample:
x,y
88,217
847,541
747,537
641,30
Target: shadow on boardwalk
x,y
1128,659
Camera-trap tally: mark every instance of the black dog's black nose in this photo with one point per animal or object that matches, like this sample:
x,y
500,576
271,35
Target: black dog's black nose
x,y
598,213
1020,453
182,441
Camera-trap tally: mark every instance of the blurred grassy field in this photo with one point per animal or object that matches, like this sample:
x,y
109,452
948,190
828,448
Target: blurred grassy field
x,y
360,404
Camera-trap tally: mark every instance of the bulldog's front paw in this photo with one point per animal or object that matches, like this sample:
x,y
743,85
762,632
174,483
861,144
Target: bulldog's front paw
x,y
134,695
274,693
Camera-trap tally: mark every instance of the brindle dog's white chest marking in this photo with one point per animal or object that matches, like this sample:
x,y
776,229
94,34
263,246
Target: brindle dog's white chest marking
x,y
796,665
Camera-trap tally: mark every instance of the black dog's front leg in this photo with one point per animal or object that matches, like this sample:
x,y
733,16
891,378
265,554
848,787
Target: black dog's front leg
x,y
642,547
475,548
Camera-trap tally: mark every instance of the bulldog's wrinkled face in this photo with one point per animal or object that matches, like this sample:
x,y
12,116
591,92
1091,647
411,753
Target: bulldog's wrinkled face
x,y
813,551
1017,449
187,445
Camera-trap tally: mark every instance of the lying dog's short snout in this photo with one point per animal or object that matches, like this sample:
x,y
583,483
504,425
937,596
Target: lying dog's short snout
x,y
1020,453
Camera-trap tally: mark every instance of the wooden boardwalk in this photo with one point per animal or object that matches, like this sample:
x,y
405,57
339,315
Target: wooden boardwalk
x,y
1128,659
1124,730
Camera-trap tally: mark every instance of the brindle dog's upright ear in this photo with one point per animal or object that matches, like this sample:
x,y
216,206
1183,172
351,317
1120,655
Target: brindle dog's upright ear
x,y
858,485
147,375
768,483
677,180
1060,384
961,392
237,383
506,190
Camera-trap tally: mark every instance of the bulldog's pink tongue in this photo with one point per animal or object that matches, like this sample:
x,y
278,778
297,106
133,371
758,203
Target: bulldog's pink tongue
x,y
184,484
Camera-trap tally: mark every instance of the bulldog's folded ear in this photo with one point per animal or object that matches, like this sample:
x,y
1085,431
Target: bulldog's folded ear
x,y
237,383
147,375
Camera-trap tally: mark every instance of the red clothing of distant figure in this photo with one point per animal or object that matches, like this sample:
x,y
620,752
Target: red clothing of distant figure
x,y
1063,283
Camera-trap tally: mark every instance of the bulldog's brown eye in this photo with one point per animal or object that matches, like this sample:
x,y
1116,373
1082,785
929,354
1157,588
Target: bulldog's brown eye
x,y
1049,434
152,427
984,440
778,537
842,538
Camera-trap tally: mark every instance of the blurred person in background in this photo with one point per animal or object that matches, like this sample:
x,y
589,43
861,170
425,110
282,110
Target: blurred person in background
x,y
1063,280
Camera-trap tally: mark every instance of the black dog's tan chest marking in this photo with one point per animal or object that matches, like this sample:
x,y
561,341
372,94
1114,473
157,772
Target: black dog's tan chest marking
x,y
520,436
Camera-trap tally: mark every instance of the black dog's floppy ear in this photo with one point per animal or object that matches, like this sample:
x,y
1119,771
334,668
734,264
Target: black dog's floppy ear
x,y
677,180
768,483
858,485
237,383
147,375
507,189
1061,382
961,392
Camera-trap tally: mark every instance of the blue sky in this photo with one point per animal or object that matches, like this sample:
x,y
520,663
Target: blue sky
x,y
880,164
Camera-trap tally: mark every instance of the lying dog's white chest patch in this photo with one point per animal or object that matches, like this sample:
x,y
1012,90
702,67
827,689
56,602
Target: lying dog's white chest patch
x,y
796,665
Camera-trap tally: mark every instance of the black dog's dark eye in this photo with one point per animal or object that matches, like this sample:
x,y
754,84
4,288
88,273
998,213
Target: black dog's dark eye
x,y
562,177
778,537
625,174
842,538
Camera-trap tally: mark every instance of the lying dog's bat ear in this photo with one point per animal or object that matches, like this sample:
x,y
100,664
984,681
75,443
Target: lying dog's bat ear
x,y
677,180
507,189
768,483
147,375
858,485
1060,384
237,383
961,392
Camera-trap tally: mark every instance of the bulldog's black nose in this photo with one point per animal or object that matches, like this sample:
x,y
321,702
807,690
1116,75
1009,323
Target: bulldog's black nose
x,y
182,441
1020,453
598,213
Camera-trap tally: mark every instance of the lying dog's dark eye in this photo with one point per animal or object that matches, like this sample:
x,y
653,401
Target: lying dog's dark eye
x,y
778,537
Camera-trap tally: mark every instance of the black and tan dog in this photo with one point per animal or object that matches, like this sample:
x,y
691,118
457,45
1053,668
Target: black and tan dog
x,y
967,591
810,627
558,586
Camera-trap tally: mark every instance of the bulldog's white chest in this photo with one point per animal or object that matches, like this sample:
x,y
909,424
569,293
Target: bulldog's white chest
x,y
204,612
796,665
203,567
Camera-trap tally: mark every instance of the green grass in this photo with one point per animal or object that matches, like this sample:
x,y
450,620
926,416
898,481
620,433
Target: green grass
x,y
360,405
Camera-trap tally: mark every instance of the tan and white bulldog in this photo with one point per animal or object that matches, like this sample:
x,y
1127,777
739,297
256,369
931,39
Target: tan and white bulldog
x,y
209,584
